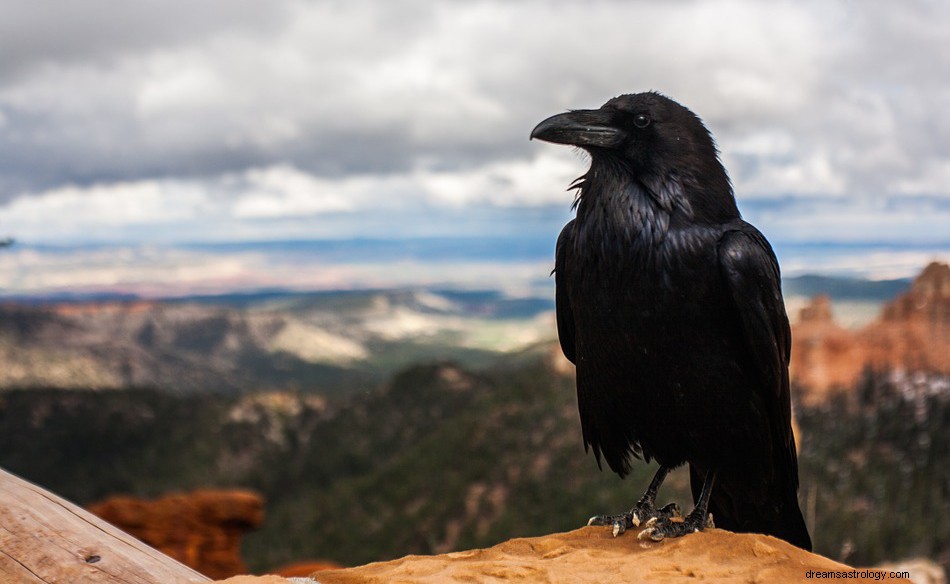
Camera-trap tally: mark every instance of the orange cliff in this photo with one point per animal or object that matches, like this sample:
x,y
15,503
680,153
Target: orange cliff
x,y
591,554
201,529
912,334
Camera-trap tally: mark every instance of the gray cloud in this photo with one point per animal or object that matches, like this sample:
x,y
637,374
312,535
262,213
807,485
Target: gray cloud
x,y
101,32
837,99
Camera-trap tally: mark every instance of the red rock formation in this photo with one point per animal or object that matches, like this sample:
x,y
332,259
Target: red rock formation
x,y
202,529
928,299
912,333
824,354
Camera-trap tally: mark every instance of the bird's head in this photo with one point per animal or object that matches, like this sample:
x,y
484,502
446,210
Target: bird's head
x,y
655,141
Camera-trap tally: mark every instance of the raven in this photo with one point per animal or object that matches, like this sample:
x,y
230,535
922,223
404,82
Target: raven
x,y
670,306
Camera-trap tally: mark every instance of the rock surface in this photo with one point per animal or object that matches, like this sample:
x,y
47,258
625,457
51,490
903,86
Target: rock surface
x,y
305,568
591,554
201,529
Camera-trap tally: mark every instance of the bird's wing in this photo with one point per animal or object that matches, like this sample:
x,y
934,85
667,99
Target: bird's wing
x,y
752,276
565,316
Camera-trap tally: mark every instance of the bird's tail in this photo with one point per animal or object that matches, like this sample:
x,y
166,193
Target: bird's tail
x,y
772,509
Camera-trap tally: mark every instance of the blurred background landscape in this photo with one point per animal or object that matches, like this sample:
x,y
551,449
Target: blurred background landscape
x,y
275,278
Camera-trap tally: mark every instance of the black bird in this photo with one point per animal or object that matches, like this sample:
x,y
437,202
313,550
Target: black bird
x,y
670,306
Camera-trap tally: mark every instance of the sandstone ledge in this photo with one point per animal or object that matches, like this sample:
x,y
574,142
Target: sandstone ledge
x,y
591,555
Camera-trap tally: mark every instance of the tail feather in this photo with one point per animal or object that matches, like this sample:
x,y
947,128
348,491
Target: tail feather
x,y
769,509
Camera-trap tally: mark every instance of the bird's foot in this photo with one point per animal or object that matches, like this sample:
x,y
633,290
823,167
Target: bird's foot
x,y
660,530
645,512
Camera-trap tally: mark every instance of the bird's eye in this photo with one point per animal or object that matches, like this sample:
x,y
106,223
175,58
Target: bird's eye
x,y
641,121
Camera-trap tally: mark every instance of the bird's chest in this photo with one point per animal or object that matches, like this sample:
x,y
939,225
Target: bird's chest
x,y
643,286
626,280
652,326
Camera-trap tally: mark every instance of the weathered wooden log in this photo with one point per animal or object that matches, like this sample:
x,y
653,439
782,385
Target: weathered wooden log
x,y
46,539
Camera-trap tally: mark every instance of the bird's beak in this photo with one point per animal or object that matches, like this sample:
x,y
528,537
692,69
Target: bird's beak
x,y
582,128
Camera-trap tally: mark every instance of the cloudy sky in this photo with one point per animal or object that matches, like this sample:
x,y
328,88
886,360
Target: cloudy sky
x,y
168,122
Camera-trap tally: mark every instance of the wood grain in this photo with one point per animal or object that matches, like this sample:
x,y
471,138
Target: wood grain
x,y
46,539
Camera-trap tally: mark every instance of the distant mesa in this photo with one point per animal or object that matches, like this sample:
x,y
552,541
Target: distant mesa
x,y
305,341
818,310
928,299
911,334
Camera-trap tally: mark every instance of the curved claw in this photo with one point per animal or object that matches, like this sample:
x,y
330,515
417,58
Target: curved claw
x,y
671,510
651,533
619,528
604,519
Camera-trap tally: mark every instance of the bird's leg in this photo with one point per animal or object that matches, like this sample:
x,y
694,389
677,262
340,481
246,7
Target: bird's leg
x,y
644,511
697,520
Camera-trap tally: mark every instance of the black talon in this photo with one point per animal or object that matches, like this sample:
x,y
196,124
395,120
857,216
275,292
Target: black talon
x,y
670,511
691,524
643,511
697,520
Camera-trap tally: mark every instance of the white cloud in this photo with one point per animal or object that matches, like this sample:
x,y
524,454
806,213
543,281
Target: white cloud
x,y
178,86
934,179
129,269
778,175
540,181
281,191
165,271
874,265
276,195
888,220
104,206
